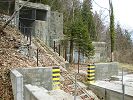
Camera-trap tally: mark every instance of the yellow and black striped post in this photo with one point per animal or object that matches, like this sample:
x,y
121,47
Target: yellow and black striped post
x,y
56,78
91,74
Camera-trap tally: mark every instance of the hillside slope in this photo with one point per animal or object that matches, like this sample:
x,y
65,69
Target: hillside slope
x,y
10,57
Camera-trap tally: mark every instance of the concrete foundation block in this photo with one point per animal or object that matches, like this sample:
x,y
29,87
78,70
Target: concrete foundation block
x,y
17,84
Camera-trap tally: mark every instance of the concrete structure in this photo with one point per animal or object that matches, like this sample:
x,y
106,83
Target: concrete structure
x,y
56,28
111,90
106,70
38,20
100,55
102,71
17,84
39,93
100,52
40,76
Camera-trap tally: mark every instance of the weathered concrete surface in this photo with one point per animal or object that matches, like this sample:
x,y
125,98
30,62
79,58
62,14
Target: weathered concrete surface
x,y
102,70
111,90
56,28
39,76
100,52
39,93
48,29
17,84
34,5
41,30
106,70
100,55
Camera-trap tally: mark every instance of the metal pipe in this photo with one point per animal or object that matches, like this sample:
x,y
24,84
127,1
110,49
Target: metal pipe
x,y
75,94
24,32
78,59
37,56
59,49
54,46
123,87
27,35
30,38
105,94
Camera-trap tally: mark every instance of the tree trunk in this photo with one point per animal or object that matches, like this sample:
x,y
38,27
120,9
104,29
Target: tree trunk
x,y
71,52
65,50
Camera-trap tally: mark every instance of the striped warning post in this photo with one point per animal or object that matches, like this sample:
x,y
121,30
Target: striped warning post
x,y
91,74
56,78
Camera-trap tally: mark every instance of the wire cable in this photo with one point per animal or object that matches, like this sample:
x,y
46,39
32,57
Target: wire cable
x,y
99,5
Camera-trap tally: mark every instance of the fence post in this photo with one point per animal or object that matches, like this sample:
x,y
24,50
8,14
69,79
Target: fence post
x,y
56,78
91,73
37,56
54,46
59,49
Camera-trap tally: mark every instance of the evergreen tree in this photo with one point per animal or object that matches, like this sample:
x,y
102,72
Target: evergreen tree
x,y
112,30
78,34
88,19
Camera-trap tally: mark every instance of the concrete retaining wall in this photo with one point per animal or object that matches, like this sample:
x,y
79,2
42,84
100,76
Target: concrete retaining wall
x,y
106,70
106,94
39,76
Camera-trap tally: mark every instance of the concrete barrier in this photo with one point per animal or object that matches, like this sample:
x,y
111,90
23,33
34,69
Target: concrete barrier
x,y
17,84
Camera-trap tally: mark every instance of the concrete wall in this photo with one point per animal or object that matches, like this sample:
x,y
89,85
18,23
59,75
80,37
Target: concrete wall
x,y
100,52
56,27
17,84
35,93
37,76
106,94
100,55
106,70
39,93
41,30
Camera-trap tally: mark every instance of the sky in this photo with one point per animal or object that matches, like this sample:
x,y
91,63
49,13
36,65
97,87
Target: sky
x,y
123,11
